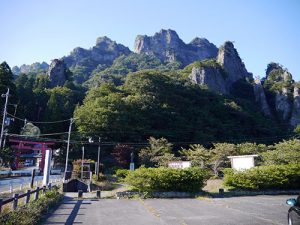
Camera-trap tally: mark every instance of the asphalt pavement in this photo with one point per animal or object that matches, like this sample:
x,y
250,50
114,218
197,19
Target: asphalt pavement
x,y
254,210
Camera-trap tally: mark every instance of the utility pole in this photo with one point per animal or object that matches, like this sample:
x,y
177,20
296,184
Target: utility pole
x,y
68,147
98,161
4,115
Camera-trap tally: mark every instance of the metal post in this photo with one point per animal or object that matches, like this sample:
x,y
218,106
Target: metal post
x,y
98,161
4,116
68,147
82,162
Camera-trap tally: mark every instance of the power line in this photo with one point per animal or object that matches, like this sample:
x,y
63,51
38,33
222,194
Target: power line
x,y
44,122
146,143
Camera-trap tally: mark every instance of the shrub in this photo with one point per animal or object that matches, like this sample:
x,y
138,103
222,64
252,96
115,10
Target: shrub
x,y
122,173
167,179
100,177
264,177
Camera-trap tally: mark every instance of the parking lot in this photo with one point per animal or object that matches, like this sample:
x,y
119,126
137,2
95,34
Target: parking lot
x,y
255,210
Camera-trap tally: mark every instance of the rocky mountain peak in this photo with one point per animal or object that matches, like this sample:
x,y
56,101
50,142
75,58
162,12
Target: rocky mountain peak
x,y
33,68
168,47
230,60
200,42
104,39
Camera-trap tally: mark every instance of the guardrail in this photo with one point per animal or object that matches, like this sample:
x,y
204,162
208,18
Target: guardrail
x,y
22,184
25,172
26,195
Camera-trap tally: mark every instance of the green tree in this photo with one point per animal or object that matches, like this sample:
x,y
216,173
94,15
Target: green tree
x,y
220,152
7,156
198,155
6,78
159,153
60,106
283,153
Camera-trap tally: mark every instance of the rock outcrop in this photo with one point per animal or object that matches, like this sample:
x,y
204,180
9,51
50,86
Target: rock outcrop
x,y
295,118
83,61
230,60
220,75
282,104
212,77
168,47
33,68
57,73
260,98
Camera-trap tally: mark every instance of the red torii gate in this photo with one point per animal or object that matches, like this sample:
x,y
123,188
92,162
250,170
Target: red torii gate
x,y
22,145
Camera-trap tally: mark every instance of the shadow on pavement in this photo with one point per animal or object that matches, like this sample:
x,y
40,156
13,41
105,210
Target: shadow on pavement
x,y
71,216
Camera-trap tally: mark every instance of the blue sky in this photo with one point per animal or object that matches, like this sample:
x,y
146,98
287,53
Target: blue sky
x,y
262,30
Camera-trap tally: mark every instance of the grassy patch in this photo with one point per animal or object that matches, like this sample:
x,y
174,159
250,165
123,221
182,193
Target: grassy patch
x,y
31,213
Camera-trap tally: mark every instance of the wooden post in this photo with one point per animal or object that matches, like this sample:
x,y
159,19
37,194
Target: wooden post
x,y
27,197
221,192
37,193
98,194
32,178
44,189
0,205
15,203
80,192
50,186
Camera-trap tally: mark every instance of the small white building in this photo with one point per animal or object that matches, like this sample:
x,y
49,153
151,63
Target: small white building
x,y
242,162
179,164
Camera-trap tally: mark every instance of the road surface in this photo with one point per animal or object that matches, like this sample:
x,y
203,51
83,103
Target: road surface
x,y
255,210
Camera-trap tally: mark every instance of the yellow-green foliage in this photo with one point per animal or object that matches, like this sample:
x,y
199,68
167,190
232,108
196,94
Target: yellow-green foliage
x,y
264,177
167,179
32,212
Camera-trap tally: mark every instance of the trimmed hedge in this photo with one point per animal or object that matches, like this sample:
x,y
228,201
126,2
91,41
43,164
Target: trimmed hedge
x,y
264,177
31,213
167,179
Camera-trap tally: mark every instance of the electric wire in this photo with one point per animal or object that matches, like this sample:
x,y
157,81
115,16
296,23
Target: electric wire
x,y
41,122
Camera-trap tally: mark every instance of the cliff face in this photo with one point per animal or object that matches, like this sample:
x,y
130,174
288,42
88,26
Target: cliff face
x,y
285,95
210,77
260,98
57,73
283,104
295,118
220,75
230,60
168,47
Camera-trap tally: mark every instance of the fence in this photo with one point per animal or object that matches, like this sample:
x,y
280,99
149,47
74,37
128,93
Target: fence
x,y
26,195
15,185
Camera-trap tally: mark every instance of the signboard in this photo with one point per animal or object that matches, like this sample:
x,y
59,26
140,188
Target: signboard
x,y
179,164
